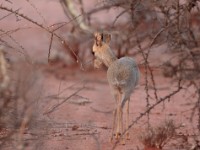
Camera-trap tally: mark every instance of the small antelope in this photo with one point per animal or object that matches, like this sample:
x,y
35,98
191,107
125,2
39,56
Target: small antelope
x,y
4,78
122,75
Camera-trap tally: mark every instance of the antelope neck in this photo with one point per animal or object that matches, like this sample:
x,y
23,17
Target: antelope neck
x,y
109,57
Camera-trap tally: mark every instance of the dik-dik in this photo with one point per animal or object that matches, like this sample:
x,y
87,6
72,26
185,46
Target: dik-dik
x,y
122,75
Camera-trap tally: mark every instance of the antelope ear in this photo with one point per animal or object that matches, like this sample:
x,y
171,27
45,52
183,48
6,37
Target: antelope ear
x,y
98,38
95,34
98,35
107,38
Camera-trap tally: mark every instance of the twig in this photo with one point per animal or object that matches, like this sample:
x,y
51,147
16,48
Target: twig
x,y
56,106
100,111
145,57
104,7
12,31
46,29
49,51
149,109
28,58
157,35
60,92
36,9
9,14
117,17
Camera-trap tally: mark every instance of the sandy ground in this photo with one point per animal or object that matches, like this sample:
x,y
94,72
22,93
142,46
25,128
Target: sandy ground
x,y
75,110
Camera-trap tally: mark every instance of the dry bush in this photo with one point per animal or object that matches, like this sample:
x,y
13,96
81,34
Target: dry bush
x,y
19,105
148,24
158,137
174,23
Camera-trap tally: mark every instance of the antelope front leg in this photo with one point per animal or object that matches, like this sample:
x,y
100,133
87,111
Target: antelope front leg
x,y
121,125
117,135
127,119
114,122
119,129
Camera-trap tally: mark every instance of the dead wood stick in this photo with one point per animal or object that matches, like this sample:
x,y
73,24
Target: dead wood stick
x,y
59,104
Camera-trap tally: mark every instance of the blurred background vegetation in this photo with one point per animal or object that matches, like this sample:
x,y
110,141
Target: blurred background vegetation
x,y
160,34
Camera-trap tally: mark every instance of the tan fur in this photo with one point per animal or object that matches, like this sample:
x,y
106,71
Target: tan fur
x,y
102,51
122,75
4,78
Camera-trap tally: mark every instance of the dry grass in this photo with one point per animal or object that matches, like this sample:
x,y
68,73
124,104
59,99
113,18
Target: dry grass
x,y
158,137
163,22
19,104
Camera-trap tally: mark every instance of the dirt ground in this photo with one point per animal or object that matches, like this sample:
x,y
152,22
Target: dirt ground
x,y
75,108
75,112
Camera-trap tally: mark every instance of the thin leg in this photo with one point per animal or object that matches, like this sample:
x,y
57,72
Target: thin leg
x,y
121,125
120,108
114,121
115,127
118,124
127,119
118,117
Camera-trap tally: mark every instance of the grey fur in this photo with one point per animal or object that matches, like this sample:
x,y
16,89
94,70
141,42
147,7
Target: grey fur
x,y
122,74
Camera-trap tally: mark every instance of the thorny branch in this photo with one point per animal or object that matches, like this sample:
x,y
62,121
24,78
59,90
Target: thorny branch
x,y
149,69
66,99
7,33
167,97
145,57
46,29
180,37
35,8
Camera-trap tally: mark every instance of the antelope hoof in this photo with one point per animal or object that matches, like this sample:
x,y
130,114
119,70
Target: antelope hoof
x,y
127,136
122,142
111,139
117,135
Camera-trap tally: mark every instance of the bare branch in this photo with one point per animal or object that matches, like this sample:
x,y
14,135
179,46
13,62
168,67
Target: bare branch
x,y
59,104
